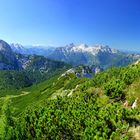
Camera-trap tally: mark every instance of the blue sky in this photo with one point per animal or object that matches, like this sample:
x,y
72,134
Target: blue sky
x,y
59,22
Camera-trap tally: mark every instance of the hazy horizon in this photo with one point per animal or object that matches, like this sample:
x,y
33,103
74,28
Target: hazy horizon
x,y
89,45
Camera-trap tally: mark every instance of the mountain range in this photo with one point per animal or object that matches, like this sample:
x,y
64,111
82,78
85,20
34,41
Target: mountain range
x,y
95,58
43,98
32,49
11,60
22,70
97,55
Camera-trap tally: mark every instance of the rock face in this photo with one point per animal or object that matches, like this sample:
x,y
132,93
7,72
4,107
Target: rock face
x,y
18,48
83,71
41,63
98,55
7,57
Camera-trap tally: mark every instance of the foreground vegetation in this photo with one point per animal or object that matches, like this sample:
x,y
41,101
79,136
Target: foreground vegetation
x,y
67,107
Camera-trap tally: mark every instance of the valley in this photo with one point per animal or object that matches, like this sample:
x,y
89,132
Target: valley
x,y
48,99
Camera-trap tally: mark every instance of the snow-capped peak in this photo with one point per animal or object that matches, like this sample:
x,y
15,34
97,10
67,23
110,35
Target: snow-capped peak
x,y
89,49
16,46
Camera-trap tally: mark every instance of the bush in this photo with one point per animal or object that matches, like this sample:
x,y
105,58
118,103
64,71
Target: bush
x,y
130,75
114,89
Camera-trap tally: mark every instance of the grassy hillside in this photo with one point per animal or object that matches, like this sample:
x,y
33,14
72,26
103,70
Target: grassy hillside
x,y
67,107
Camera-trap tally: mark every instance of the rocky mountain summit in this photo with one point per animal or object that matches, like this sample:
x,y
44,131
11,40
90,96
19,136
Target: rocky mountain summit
x,y
7,57
98,55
